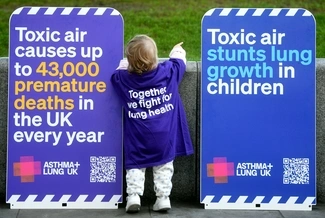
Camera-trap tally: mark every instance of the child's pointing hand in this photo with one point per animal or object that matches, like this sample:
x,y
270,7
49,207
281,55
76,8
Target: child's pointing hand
x,y
178,45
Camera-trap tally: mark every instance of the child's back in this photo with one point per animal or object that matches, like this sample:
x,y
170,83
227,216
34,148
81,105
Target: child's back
x,y
155,126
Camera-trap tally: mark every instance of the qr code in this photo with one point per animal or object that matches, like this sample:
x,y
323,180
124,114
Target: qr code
x,y
296,171
102,169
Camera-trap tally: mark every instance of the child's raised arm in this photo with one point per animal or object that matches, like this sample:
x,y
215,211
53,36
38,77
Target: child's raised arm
x,y
178,52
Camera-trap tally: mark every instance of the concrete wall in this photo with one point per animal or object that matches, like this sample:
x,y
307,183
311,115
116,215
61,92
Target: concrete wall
x,y
3,124
186,178
320,130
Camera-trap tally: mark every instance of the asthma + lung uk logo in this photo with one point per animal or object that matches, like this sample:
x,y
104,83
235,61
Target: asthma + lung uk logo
x,y
27,168
220,169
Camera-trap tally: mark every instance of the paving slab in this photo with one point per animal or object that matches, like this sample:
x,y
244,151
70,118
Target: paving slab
x,y
186,210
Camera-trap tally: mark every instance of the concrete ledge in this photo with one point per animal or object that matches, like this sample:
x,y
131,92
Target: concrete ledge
x,y
187,177
320,130
3,124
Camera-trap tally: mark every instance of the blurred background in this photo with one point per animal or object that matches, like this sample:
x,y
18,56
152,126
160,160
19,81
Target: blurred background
x,y
168,21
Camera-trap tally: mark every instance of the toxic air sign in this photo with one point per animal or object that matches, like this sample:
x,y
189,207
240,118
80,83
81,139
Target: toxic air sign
x,y
258,109
64,120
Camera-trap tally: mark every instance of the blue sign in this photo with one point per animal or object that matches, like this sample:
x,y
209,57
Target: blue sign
x,y
64,121
258,143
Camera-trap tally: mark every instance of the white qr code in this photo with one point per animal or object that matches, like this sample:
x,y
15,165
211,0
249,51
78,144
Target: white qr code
x,y
102,169
296,171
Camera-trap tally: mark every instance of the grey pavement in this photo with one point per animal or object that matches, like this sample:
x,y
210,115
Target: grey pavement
x,y
178,210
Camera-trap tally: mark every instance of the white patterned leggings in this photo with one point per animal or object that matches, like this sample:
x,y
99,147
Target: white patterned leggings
x,y
162,178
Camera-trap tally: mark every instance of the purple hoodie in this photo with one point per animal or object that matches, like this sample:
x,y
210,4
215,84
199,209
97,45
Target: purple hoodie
x,y
155,125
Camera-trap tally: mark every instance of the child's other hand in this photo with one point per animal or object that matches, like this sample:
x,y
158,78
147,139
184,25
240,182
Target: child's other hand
x,y
123,65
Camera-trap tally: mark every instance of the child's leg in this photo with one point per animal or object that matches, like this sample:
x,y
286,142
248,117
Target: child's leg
x,y
135,181
162,177
135,187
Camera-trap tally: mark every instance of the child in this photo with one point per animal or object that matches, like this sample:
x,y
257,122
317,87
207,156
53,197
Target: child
x,y
155,125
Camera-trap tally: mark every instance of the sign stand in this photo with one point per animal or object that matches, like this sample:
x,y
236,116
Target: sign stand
x,y
64,202
257,204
